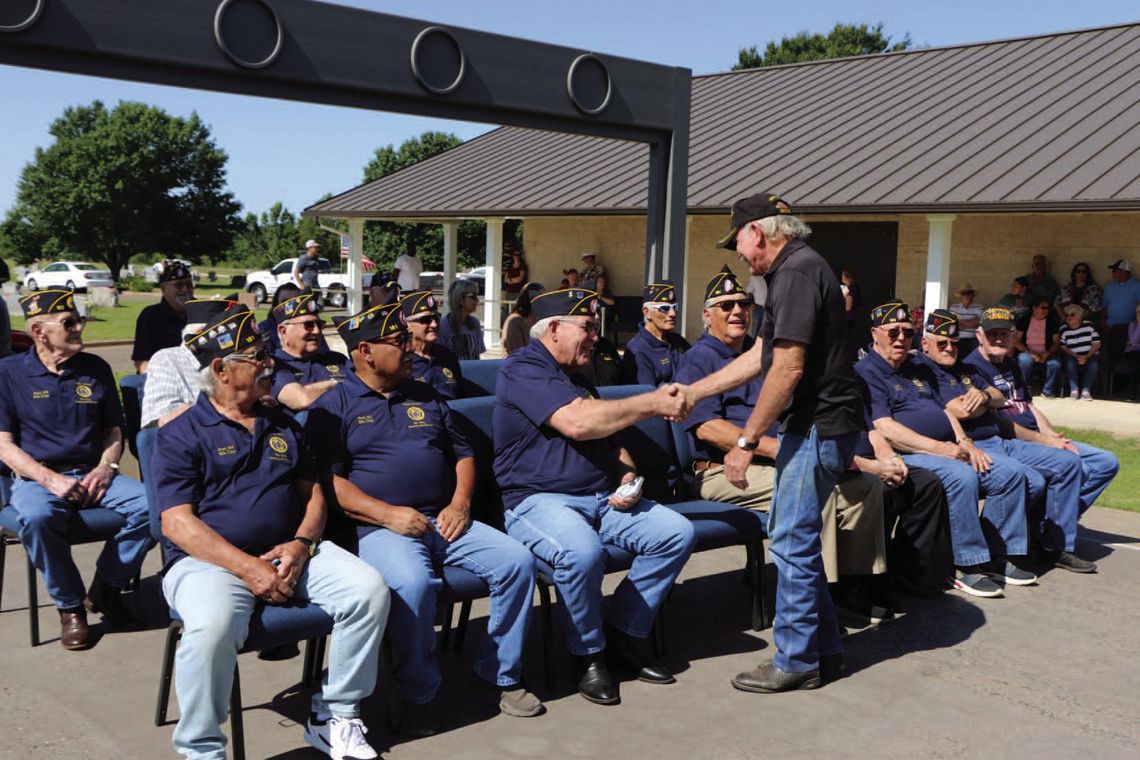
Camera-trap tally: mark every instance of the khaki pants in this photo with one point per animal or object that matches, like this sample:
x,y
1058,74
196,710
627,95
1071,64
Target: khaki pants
x,y
854,542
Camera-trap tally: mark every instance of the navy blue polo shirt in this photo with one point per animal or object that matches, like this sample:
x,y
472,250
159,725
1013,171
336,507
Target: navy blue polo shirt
x,y
649,361
1007,378
158,326
328,365
708,355
951,383
440,371
530,455
242,484
906,394
401,449
62,419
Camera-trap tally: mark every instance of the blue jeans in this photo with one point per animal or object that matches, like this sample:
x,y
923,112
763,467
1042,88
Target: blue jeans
x,y
43,532
1062,473
1081,378
1005,487
409,566
1052,368
807,469
1098,468
215,607
570,532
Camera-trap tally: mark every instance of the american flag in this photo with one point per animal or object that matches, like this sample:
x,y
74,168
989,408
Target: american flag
x,y
346,251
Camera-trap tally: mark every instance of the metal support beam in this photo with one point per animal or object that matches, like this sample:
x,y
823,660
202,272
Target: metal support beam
x,y
492,293
450,255
356,266
938,261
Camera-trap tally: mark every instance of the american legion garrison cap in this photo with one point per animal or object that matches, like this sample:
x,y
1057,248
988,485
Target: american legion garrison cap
x,y
229,332
567,302
660,292
175,271
44,302
416,303
942,323
201,310
723,283
371,324
297,306
889,313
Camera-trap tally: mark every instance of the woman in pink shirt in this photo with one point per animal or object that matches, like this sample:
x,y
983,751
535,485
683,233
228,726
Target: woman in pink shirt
x,y
1037,344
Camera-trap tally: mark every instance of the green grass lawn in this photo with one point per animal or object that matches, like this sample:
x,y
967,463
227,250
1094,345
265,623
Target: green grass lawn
x,y
1124,492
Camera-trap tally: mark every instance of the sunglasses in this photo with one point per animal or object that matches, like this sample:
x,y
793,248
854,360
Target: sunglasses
x,y
70,323
471,295
590,328
260,356
309,324
665,308
894,332
426,319
945,345
400,340
727,306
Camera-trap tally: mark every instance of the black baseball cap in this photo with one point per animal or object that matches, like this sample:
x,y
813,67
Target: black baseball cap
x,y
759,206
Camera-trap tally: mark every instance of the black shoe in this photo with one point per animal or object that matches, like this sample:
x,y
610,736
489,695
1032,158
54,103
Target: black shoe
x,y
419,720
108,601
279,652
596,685
832,667
623,655
768,679
858,609
1072,563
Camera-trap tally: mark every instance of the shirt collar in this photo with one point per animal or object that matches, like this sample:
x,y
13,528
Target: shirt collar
x,y
36,367
789,248
204,414
718,346
359,389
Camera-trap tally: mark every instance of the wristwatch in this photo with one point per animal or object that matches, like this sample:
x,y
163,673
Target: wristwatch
x,y
308,543
113,465
747,445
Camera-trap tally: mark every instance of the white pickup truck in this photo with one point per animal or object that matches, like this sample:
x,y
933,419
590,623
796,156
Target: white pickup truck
x,y
264,283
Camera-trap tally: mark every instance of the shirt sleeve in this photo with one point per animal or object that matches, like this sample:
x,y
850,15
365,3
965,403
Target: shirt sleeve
x,y
177,466
538,392
708,408
111,408
307,464
459,444
8,415
644,364
877,398
795,303
282,376
324,425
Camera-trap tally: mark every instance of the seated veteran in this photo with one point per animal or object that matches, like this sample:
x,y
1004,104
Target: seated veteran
x,y
652,355
1098,467
969,398
160,325
243,515
560,464
605,365
854,542
61,435
902,405
302,371
432,363
404,472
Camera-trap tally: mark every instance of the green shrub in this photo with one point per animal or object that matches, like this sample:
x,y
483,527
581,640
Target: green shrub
x,y
137,284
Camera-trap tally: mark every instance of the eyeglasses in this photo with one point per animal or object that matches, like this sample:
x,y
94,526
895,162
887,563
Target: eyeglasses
x,y
426,319
260,356
309,324
471,295
664,308
70,323
894,332
590,328
727,306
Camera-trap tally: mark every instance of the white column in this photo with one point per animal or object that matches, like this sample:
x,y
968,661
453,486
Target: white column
x,y
938,262
682,282
355,265
450,255
494,288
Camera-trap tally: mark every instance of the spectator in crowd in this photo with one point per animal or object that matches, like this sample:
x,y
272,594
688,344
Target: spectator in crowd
x,y
1041,285
268,326
404,473
852,296
571,278
436,365
1037,343
1017,299
653,354
852,534
460,330
302,372
515,274
969,315
160,325
61,435
516,327
970,400
407,269
570,489
591,269
243,515
1080,344
1132,356
383,289
991,359
307,267
605,365
757,288
1121,296
1083,291
607,304
902,405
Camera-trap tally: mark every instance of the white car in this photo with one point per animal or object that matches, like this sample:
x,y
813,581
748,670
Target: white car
x,y
74,275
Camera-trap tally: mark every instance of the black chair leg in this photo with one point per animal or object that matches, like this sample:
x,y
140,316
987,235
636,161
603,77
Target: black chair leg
x,y
311,667
461,629
388,685
3,557
446,612
657,634
761,619
237,728
546,608
173,635
33,604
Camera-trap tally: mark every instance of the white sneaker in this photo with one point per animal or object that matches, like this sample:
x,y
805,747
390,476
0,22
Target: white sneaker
x,y
339,738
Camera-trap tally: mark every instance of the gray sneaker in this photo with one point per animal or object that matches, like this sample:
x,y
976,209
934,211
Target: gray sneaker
x,y
520,703
1073,563
1012,574
974,581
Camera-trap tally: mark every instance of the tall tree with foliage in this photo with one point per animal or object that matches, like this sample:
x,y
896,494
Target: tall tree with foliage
x,y
844,41
119,182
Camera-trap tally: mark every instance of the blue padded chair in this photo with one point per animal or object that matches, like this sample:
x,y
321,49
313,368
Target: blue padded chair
x,y
131,389
86,526
479,376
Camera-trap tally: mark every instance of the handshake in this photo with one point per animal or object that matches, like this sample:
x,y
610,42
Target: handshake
x,y
673,401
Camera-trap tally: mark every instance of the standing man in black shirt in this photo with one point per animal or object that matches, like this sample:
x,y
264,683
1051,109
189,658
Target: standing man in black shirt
x,y
810,387
160,325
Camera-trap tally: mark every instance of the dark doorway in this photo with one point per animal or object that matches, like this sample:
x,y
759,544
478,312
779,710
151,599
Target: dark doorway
x,y
870,251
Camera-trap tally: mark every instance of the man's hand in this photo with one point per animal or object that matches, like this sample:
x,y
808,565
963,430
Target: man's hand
x,y
95,483
973,400
453,522
407,522
262,579
736,463
671,402
977,458
1082,359
292,556
1037,358
1058,441
892,471
68,489
621,503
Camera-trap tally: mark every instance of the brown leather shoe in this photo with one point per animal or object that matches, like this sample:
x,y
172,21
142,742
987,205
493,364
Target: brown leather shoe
x,y
73,630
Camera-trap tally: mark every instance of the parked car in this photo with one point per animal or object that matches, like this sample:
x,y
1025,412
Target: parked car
x,y
478,276
264,283
432,281
75,275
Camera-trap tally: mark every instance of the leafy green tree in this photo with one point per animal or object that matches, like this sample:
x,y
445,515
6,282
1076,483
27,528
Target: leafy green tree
x,y
844,41
115,183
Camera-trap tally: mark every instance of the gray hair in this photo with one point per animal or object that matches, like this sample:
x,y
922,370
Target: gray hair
x,y
458,291
539,328
1074,308
784,226
207,380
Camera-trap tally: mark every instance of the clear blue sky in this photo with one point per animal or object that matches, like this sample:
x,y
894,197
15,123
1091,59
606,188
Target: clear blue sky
x,y
295,152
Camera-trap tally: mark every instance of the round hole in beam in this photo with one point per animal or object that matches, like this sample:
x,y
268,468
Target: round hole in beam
x,y
18,15
588,84
248,32
438,63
